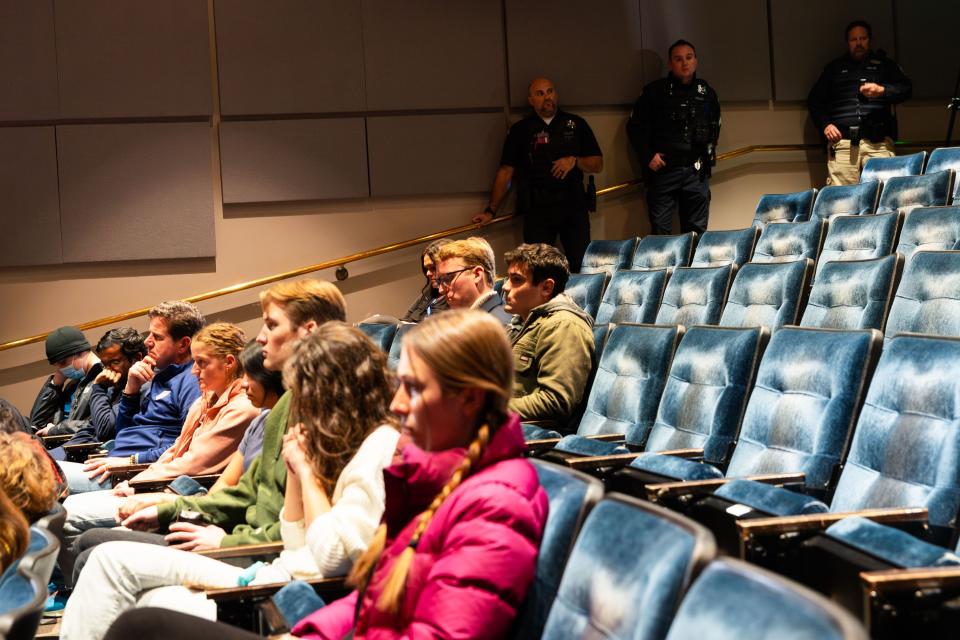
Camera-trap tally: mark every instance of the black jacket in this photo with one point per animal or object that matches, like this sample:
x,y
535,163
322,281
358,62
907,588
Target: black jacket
x,y
91,405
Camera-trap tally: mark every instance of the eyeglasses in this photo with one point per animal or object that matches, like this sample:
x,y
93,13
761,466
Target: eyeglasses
x,y
445,280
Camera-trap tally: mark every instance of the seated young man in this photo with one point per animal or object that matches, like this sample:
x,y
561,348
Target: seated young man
x,y
552,337
465,273
148,423
63,404
118,350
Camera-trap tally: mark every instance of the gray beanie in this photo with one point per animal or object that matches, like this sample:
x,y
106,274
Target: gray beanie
x,y
64,342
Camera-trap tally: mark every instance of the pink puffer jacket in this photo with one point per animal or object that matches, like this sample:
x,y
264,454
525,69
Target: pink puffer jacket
x,y
475,560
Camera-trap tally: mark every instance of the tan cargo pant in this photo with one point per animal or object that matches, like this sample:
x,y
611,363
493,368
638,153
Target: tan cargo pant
x,y
845,161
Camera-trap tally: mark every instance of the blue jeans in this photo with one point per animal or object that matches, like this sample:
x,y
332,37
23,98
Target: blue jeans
x,y
78,481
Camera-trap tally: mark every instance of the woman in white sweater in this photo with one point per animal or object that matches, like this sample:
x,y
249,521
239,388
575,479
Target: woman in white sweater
x,y
342,439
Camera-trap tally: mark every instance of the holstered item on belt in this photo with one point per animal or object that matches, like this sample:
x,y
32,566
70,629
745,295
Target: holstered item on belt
x,y
591,194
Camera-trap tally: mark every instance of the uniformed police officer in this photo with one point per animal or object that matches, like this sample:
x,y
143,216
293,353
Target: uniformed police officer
x,y
674,129
850,105
547,154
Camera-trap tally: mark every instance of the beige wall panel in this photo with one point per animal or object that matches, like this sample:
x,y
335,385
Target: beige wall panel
x,y
28,60
30,211
135,58
136,191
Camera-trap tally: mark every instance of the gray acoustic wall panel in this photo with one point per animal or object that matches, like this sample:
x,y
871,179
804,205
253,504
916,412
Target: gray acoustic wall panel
x,y
289,56
808,35
929,52
434,153
30,212
135,58
433,54
28,60
276,160
591,49
136,191
730,37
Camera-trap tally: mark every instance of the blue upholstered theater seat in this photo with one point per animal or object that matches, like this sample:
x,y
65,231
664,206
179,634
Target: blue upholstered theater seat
x,y
846,200
607,256
629,567
884,169
853,294
381,333
717,248
784,207
572,495
733,600
930,229
22,599
660,252
943,159
695,295
393,356
766,294
633,296
928,298
586,289
859,238
789,241
906,193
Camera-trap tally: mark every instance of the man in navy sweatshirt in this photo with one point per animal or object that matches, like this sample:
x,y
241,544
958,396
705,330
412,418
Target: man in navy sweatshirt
x,y
149,420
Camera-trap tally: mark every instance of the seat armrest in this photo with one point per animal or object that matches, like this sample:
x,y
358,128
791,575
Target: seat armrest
x,y
896,580
154,486
607,437
52,442
661,490
264,590
262,549
613,461
127,471
539,446
80,452
820,521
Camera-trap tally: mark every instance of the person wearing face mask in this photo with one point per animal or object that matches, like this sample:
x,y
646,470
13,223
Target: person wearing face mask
x,y
63,403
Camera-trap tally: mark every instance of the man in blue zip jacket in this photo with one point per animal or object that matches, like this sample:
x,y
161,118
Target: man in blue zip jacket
x,y
148,423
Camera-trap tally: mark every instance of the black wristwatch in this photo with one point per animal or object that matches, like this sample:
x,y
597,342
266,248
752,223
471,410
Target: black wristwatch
x,y
491,211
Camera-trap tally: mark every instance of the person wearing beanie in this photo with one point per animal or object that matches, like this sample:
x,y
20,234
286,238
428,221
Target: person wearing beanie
x,y
63,404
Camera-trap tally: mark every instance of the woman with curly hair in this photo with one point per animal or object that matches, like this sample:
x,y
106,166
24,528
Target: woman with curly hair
x,y
342,439
27,475
14,532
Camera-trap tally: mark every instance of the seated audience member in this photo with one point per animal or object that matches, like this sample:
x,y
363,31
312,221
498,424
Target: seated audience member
x,y
215,425
465,274
335,456
118,350
63,404
27,476
551,336
430,300
149,423
14,532
11,417
457,549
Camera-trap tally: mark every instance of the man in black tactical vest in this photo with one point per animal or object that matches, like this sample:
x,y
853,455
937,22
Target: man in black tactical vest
x,y
674,129
851,105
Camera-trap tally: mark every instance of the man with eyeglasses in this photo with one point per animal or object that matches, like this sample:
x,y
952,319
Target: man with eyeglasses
x,y
465,273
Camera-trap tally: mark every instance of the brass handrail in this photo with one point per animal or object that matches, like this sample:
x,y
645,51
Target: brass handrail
x,y
396,246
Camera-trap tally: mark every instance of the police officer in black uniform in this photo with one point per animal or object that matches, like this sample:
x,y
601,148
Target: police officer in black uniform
x,y
850,105
546,155
674,129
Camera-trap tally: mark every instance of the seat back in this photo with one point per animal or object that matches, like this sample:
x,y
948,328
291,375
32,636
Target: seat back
x,y
853,294
660,252
381,333
906,447
859,238
784,207
928,298
41,556
629,567
633,296
629,382
695,295
809,387
586,289
885,168
393,356
572,495
607,256
23,596
943,159
789,241
733,600
930,229
906,193
766,294
846,200
706,392
717,248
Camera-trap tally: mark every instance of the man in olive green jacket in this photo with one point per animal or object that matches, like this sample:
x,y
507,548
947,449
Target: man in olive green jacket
x,y
551,337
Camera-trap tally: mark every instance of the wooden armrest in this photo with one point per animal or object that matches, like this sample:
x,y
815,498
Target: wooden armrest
x,y
154,486
892,580
51,442
681,487
607,437
689,454
614,461
536,446
127,471
264,590
261,549
820,521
